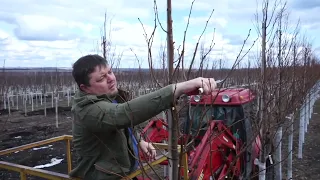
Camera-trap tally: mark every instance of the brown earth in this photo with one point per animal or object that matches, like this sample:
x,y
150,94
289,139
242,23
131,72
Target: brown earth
x,y
308,168
19,130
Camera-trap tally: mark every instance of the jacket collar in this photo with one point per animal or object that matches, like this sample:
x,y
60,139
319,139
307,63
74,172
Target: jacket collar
x,y
82,97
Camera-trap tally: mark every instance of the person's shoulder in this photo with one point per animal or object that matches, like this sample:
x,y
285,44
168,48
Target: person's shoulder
x,y
82,100
93,108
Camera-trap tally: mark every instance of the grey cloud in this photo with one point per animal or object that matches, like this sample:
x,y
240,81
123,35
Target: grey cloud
x,y
7,18
18,57
32,57
48,35
235,39
317,51
90,11
305,4
4,41
304,10
22,31
314,26
313,21
35,60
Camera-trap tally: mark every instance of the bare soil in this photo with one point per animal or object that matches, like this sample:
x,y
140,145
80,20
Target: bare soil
x,y
19,129
309,166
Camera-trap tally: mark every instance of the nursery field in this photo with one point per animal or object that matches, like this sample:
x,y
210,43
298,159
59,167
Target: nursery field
x,y
20,129
23,118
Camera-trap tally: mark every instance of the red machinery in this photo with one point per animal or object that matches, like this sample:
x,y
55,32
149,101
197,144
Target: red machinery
x,y
218,135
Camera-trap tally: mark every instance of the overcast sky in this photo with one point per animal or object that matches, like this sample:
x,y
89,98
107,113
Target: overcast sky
x,y
36,33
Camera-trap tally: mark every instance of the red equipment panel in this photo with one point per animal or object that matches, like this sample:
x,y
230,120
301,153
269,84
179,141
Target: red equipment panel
x,y
217,155
237,96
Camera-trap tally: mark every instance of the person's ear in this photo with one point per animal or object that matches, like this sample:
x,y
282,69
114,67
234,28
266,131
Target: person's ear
x,y
84,88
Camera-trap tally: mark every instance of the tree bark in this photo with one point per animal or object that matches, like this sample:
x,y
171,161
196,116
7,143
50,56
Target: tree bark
x,y
173,124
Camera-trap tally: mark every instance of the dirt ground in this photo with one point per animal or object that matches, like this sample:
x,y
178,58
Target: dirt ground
x,y
309,166
19,130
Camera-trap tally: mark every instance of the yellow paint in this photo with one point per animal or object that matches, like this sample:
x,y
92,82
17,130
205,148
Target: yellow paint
x,y
201,175
25,170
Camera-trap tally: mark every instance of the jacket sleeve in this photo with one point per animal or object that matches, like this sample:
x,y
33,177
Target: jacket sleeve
x,y
102,115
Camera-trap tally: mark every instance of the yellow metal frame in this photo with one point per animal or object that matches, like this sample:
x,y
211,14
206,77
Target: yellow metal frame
x,y
26,170
162,146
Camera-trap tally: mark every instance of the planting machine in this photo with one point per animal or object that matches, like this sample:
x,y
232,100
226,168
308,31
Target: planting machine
x,y
217,135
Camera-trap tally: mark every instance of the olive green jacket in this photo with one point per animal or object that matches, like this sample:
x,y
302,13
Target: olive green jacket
x,y
100,135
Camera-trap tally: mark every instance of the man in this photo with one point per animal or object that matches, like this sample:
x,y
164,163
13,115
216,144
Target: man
x,y
104,116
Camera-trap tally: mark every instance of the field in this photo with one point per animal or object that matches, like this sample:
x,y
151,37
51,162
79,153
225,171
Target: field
x,y
278,63
309,166
28,122
21,129
25,126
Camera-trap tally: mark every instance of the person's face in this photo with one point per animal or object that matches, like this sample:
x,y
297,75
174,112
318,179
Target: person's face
x,y
102,81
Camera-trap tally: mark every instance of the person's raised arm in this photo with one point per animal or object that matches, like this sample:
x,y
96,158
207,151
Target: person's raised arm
x,y
103,115
186,87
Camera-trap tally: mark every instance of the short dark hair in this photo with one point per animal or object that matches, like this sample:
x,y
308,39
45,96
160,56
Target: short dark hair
x,y
84,66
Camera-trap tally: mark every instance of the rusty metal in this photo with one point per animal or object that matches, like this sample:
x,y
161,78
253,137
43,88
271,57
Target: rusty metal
x,y
69,156
185,166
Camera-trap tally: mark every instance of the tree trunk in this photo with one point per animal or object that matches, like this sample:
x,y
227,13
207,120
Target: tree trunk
x,y
173,124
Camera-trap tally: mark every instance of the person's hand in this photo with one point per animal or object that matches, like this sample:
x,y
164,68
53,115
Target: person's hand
x,y
191,86
148,149
207,84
